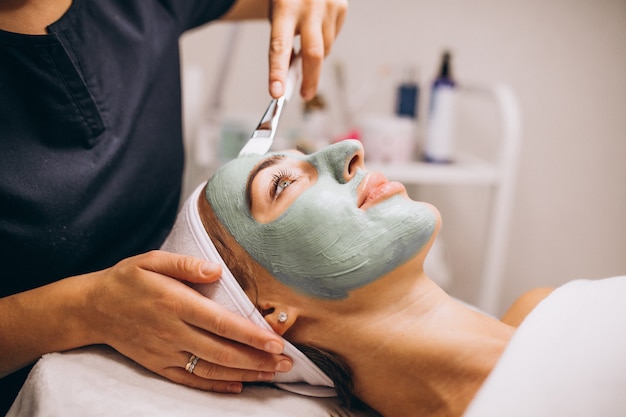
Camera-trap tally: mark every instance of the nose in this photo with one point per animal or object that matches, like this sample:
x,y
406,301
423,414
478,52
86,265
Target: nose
x,y
343,159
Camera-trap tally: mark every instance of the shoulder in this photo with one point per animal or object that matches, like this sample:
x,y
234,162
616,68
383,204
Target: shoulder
x,y
524,305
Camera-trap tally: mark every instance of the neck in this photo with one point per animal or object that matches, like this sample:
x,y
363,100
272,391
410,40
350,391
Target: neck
x,y
31,16
428,355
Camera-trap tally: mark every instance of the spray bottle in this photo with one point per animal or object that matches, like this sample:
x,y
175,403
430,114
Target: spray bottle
x,y
440,132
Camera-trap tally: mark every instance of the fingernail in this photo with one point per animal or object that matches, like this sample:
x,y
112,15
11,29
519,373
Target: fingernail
x,y
234,388
273,347
276,89
209,268
283,366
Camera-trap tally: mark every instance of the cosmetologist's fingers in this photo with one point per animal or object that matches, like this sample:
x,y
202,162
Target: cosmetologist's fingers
x,y
180,267
215,319
281,45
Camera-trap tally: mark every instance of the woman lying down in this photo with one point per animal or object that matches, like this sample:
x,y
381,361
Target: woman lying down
x,y
331,257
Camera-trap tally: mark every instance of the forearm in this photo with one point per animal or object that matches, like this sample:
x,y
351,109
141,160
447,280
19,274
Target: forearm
x,y
47,319
248,9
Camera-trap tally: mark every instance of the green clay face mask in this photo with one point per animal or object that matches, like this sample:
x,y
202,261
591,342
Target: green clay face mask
x,y
323,244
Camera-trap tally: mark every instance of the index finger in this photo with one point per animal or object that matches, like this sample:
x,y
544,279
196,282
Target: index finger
x,y
214,318
281,45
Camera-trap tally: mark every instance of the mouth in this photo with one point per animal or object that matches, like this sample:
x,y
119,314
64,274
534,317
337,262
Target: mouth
x,y
375,188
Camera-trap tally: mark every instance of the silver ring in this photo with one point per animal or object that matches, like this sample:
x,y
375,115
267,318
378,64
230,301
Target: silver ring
x,y
191,363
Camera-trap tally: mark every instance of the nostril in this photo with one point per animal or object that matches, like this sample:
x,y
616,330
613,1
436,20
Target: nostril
x,y
355,163
343,159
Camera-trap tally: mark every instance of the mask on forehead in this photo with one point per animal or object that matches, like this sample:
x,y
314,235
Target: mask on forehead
x,y
323,245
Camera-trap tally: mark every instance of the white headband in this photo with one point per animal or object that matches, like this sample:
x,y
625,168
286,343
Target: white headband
x,y
189,237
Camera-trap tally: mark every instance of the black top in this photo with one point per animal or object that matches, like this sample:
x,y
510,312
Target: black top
x,y
91,152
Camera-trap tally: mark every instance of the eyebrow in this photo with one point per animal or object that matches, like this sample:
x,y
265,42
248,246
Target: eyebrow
x,y
273,160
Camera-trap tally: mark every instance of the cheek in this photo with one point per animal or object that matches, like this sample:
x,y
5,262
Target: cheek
x,y
315,213
330,211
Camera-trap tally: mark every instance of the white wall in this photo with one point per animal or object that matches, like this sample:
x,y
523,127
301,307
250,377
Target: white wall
x,y
566,60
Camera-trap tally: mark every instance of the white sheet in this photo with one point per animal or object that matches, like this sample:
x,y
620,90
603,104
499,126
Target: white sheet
x,y
99,382
568,358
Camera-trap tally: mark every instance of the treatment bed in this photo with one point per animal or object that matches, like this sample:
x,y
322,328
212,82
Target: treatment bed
x,y
98,382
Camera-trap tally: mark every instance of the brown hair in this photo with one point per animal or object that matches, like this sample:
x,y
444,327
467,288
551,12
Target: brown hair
x,y
240,264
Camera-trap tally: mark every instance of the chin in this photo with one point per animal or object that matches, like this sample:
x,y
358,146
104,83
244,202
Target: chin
x,y
438,221
435,210
437,225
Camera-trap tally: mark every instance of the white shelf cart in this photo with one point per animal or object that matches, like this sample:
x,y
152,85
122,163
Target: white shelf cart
x,y
466,170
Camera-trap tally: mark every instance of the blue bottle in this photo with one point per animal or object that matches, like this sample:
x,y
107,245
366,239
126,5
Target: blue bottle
x,y
407,97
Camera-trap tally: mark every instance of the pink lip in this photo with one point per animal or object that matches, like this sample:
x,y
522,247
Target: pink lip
x,y
375,188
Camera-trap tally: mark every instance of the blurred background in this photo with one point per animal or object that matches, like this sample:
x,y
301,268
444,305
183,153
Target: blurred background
x,y
564,61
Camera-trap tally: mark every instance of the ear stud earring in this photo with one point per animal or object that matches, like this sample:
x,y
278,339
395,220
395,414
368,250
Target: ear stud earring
x,y
282,317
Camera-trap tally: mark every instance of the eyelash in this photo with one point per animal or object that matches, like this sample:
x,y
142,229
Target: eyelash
x,y
281,175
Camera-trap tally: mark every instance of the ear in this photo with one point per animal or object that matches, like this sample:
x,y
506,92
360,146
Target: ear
x,y
280,316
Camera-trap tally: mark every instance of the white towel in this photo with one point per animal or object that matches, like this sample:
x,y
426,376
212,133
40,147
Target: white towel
x,y
99,382
568,358
189,237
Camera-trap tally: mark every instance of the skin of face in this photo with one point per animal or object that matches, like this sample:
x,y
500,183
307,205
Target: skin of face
x,y
308,222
